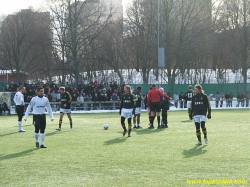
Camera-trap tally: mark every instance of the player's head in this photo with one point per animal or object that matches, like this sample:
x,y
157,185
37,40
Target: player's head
x,y
127,89
139,88
190,87
40,91
198,89
153,86
62,89
21,88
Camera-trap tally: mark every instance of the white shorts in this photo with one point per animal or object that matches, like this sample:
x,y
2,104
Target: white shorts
x,y
138,110
199,118
127,113
65,111
188,104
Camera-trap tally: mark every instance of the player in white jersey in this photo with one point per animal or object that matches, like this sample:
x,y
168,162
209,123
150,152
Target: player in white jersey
x,y
38,104
19,101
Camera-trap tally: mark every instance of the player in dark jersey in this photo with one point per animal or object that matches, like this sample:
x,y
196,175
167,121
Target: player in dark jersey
x,y
188,96
137,115
127,109
200,106
65,107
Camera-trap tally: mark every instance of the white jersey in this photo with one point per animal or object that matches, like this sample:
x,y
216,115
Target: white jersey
x,y
39,104
19,99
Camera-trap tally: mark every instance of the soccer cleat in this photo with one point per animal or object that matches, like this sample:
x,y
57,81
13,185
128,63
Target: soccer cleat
x,y
22,130
59,129
166,126
70,129
151,127
37,144
129,135
139,127
206,141
43,146
135,127
199,143
124,132
159,127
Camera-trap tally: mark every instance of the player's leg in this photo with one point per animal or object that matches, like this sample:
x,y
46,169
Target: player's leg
x,y
42,130
70,121
198,132
20,110
123,125
139,121
37,127
204,130
134,120
60,121
129,126
158,119
152,114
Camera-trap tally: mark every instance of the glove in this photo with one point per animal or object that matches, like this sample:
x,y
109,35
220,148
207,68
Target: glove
x,y
133,112
209,116
120,112
190,116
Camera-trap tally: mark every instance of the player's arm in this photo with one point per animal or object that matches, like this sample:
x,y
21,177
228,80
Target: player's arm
x,y
148,99
208,108
121,105
164,95
134,102
191,109
69,98
28,109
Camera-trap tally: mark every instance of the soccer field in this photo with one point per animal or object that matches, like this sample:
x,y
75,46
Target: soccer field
x,y
91,156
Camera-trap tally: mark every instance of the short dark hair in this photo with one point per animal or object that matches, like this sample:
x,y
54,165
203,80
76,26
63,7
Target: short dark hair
x,y
139,87
154,85
39,88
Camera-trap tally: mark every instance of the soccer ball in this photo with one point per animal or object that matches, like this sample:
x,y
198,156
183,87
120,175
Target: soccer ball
x,y
106,127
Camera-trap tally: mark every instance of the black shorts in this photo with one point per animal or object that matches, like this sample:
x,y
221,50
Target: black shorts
x,y
155,107
40,123
20,111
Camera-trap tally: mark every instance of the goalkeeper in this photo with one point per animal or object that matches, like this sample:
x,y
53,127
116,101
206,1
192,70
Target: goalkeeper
x,y
200,106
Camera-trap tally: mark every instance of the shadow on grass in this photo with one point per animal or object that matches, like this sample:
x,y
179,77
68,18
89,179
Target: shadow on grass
x,y
115,141
16,155
55,132
195,151
1,135
147,131
186,121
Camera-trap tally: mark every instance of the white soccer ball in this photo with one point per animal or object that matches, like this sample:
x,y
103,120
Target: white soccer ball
x,y
106,127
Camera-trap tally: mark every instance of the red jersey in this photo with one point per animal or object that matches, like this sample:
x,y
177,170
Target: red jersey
x,y
154,96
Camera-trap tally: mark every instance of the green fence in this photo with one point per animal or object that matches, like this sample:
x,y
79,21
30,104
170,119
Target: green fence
x,y
208,88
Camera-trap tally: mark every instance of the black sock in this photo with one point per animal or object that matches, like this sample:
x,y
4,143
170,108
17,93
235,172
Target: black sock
x,y
152,120
158,120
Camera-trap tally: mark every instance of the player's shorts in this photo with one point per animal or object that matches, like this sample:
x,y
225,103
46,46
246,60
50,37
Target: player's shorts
x,y
199,118
65,111
127,113
155,107
138,110
188,104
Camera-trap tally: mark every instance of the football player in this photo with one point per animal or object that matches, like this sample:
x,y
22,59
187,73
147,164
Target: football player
x,y
200,106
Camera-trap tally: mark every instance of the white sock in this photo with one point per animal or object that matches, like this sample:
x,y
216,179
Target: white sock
x,y
42,136
20,125
36,137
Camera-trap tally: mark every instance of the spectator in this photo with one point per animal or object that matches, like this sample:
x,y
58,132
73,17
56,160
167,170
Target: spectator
x,y
5,107
227,97
176,100
222,97
247,96
217,99
231,99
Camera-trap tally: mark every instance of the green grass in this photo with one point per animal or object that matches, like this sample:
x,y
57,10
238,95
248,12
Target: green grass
x,y
91,156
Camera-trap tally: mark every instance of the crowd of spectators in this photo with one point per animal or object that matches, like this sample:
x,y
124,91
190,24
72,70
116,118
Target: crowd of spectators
x,y
94,91
97,92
